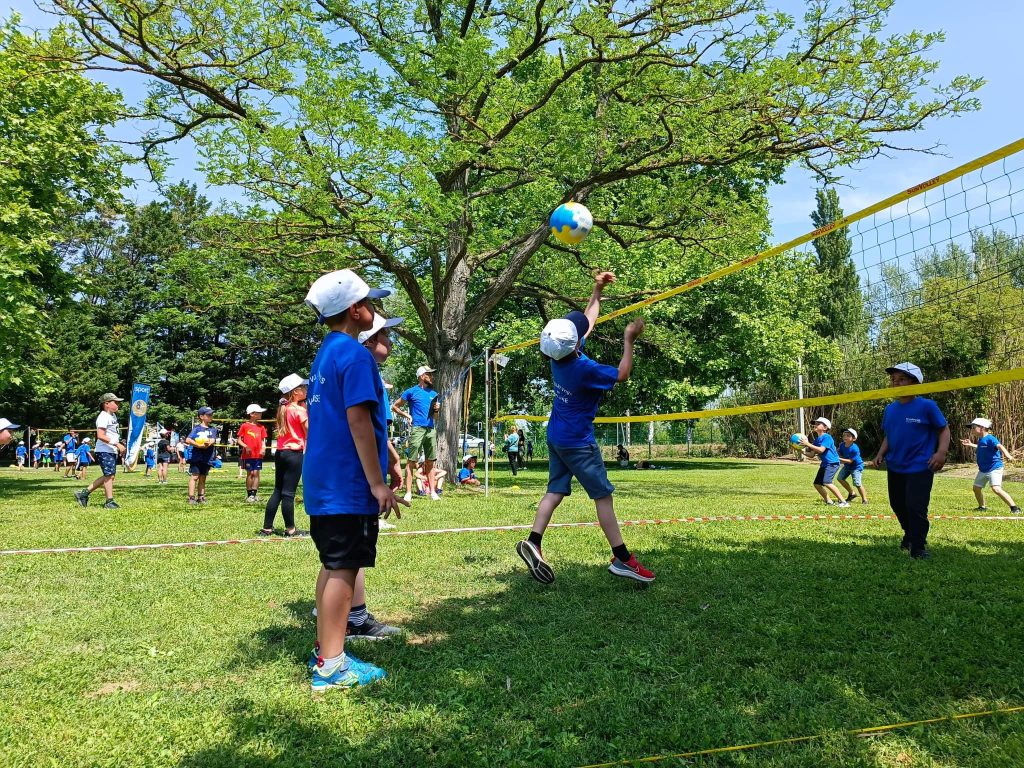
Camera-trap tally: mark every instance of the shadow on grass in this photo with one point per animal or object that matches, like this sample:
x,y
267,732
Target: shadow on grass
x,y
738,641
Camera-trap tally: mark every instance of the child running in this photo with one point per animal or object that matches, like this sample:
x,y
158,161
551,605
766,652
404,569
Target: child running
x,y
252,436
853,466
202,441
20,454
579,385
344,467
824,447
990,464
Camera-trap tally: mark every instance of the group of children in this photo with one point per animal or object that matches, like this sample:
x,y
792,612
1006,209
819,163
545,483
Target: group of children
x,y
69,454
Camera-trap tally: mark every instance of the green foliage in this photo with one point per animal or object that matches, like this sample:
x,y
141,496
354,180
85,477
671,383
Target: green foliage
x,y
55,169
843,308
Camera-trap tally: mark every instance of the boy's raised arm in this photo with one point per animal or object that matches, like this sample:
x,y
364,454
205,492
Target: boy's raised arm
x,y
593,310
633,330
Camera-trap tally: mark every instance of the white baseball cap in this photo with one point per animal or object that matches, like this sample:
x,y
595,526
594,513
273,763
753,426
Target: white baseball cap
x,y
983,423
852,431
254,408
908,368
5,424
823,420
291,381
558,339
333,293
85,439
379,322
423,369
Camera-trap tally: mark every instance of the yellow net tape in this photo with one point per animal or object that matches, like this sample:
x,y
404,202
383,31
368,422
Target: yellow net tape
x,y
888,202
948,385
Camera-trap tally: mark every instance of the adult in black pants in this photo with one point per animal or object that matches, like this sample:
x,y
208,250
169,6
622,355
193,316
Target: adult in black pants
x,y
292,421
914,449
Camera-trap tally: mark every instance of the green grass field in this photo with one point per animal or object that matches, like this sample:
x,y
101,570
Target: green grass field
x,y
753,631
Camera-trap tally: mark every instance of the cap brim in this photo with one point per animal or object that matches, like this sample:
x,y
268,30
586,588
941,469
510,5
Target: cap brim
x,y
378,293
391,322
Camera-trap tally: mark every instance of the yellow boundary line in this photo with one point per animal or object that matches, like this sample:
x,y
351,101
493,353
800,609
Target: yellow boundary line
x,y
799,739
948,385
888,202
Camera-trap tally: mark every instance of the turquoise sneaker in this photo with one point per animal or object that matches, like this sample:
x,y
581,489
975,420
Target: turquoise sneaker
x,y
314,658
350,675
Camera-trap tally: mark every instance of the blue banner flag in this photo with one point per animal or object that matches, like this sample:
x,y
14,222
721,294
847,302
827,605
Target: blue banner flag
x,y
137,422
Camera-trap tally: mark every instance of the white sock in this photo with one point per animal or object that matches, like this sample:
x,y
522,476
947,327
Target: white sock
x,y
333,664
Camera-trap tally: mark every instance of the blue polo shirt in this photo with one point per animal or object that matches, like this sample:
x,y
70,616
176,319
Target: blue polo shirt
x,y
852,453
989,458
580,384
912,430
420,401
343,375
830,456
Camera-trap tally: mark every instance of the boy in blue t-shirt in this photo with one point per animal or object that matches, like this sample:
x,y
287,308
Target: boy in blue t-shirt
x,y
70,446
201,446
150,460
824,447
579,385
21,455
467,475
58,456
37,455
343,468
853,466
83,458
914,449
423,406
990,464
46,455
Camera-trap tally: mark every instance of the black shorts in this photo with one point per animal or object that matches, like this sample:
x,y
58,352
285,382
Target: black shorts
x,y
163,458
345,542
199,468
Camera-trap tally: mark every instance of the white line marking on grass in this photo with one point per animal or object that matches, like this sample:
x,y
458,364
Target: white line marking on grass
x,y
493,528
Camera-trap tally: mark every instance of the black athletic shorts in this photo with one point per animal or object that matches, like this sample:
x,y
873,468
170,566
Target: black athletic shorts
x,y
345,541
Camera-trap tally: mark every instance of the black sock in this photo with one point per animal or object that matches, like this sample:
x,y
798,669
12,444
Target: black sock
x,y
621,553
535,538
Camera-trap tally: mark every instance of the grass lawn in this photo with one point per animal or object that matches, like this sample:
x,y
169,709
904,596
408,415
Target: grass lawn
x,y
753,631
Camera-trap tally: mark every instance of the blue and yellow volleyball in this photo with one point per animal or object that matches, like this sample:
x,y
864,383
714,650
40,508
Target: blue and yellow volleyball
x,y
571,223
796,438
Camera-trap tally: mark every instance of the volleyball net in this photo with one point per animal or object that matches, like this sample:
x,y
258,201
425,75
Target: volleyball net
x,y
939,282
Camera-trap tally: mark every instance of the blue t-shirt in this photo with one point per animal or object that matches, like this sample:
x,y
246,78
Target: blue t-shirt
x,y
343,375
912,430
830,456
420,402
466,474
36,453
58,454
187,453
513,443
580,384
385,402
989,457
852,453
46,453
20,451
70,442
82,454
202,455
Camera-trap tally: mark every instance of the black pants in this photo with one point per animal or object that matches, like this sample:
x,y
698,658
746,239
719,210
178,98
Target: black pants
x,y
909,495
513,461
287,472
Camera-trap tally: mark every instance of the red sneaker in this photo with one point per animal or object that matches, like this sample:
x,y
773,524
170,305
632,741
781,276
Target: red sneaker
x,y
631,569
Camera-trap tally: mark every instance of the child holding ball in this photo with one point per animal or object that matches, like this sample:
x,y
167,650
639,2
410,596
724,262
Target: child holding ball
x,y
824,447
202,440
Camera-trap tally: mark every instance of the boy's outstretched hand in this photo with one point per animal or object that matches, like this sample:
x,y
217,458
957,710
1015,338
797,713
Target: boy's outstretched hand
x,y
603,279
635,329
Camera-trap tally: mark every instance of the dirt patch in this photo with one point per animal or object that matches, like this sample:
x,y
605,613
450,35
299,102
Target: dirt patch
x,y
123,686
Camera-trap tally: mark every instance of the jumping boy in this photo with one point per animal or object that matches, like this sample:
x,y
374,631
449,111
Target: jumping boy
x,y
853,466
580,384
108,448
824,447
202,441
914,449
252,436
344,467
990,464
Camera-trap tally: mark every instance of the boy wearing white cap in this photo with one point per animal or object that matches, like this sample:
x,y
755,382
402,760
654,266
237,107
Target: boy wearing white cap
x,y
990,464
853,466
423,406
252,436
914,449
5,431
344,468
579,385
824,447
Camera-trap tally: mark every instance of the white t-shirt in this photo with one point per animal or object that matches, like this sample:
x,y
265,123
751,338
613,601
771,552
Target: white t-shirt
x,y
108,423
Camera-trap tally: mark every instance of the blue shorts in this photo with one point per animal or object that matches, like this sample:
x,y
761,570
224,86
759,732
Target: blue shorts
x,y
585,464
108,463
252,465
826,474
150,463
200,468
848,471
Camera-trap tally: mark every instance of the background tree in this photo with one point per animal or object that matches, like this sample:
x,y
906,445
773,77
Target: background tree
x,y
842,314
429,141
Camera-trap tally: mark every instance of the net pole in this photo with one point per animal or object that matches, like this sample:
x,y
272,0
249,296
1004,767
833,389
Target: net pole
x,y
487,422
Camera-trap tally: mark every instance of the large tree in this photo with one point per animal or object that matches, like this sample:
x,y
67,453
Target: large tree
x,y
428,141
843,310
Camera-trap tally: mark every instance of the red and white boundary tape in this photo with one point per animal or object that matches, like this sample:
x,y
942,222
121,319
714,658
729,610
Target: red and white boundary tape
x,y
490,528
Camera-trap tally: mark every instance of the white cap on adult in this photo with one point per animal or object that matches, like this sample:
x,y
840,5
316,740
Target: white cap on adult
x,y
423,369
823,420
379,322
908,368
333,293
983,423
290,382
559,338
254,408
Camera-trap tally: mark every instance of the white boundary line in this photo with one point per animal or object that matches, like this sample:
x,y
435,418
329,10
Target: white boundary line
x,y
492,528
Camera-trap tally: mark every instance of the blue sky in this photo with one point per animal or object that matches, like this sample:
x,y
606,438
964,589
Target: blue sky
x,y
980,40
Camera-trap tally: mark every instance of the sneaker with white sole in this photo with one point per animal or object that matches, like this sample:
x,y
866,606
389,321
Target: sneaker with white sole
x,y
539,568
434,497
843,504
631,569
408,497
350,674
371,629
